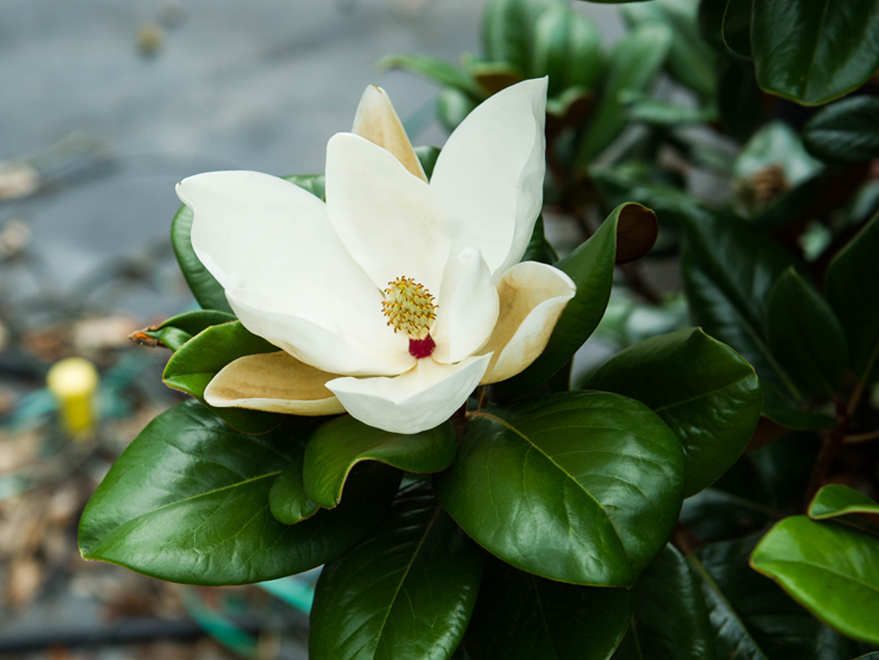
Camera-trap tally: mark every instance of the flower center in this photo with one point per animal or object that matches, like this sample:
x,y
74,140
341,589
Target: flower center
x,y
410,310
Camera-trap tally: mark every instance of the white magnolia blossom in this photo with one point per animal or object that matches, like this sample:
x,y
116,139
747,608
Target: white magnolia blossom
x,y
397,297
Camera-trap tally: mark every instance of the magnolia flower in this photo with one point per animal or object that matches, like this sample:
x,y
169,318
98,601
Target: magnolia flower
x,y
397,297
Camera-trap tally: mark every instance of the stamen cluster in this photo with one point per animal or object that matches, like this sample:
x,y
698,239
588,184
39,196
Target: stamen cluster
x,y
409,307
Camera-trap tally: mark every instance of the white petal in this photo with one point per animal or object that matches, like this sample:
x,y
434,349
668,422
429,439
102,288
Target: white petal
x,y
468,308
489,176
532,297
412,402
377,121
334,352
272,243
385,216
275,382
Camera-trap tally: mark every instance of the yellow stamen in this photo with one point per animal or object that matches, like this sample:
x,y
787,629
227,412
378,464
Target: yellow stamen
x,y
409,307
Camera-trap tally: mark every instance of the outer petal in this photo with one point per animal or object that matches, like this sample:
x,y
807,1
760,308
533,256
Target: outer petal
x,y
377,121
489,176
415,401
385,216
532,296
468,308
272,243
333,352
275,382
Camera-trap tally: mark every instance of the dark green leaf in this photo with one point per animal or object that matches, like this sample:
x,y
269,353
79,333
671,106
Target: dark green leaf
x,y
845,505
846,131
288,501
520,616
508,30
739,98
702,389
452,107
339,445
204,287
539,248
728,269
852,286
813,51
671,620
407,591
179,329
188,502
193,366
737,26
690,59
832,570
433,68
567,48
579,487
633,66
628,234
755,620
805,335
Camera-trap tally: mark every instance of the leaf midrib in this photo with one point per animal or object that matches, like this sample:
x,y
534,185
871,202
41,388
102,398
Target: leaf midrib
x,y
402,580
507,425
175,503
819,567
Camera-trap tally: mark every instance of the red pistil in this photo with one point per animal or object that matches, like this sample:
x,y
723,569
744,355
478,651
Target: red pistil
x,y
421,348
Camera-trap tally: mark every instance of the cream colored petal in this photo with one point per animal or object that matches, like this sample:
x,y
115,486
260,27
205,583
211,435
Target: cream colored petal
x,y
272,243
377,121
339,352
274,382
532,297
489,176
468,308
387,218
420,399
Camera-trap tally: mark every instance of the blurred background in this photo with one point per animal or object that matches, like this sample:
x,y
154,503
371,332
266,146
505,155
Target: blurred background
x,y
104,106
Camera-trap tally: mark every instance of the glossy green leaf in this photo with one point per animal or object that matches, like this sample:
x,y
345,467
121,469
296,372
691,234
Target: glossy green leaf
x,y
633,66
736,29
539,248
567,48
179,329
288,501
580,487
188,502
833,571
520,616
846,131
628,233
703,390
670,617
195,363
406,591
805,335
845,505
690,58
813,51
204,286
728,269
508,30
852,286
433,68
752,618
337,446
452,106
